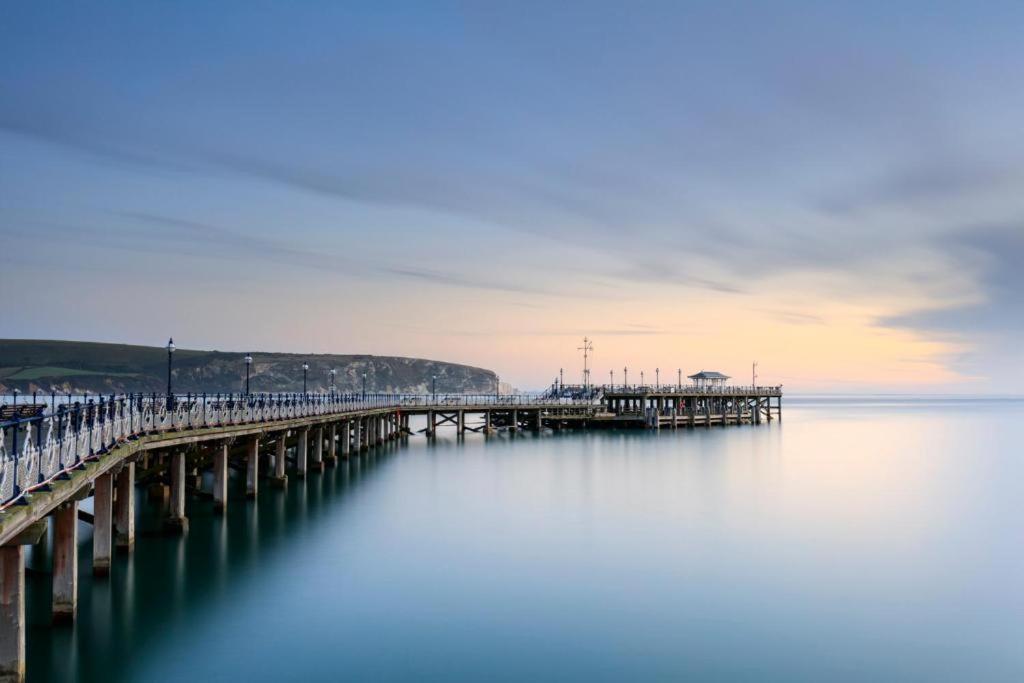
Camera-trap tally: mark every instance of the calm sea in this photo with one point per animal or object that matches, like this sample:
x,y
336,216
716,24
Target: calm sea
x,y
861,539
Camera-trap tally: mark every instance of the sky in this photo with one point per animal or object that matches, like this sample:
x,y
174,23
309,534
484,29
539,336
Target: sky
x,y
833,190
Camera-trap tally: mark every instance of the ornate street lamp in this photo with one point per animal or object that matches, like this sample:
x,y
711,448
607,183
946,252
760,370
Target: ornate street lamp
x,y
641,378
625,377
305,371
433,387
170,355
364,386
334,373
679,379
248,364
611,379
657,379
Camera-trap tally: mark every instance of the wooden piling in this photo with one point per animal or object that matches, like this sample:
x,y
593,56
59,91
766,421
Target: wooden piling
x,y
124,507
65,562
220,477
103,510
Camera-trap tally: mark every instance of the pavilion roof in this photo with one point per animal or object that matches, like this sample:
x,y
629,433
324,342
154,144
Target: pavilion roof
x,y
708,374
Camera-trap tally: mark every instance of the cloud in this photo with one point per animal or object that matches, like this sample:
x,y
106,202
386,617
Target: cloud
x,y
993,254
452,280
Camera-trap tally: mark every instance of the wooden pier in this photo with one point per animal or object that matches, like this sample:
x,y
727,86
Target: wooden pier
x,y
51,460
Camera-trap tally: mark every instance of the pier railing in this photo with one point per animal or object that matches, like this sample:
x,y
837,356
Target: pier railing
x,y
45,439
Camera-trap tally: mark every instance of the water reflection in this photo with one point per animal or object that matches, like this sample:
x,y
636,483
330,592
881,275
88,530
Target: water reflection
x,y
855,542
153,594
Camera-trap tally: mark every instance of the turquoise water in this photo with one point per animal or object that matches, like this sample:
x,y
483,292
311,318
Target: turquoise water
x,y
858,540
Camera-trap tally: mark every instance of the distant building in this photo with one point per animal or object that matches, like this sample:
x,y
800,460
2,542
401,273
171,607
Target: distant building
x,y
709,379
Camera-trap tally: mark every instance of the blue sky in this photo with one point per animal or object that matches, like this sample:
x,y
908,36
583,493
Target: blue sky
x,y
831,189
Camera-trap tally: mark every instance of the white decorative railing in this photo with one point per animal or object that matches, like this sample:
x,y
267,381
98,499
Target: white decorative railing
x,y
42,442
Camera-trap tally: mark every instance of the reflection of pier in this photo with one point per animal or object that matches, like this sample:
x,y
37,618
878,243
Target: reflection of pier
x,y
53,456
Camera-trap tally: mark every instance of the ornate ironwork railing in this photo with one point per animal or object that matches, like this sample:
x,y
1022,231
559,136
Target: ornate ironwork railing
x,y
45,437
43,441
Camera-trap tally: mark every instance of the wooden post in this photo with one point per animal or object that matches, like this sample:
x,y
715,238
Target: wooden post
x,y
461,423
431,426
280,478
176,520
124,511
103,527
12,613
65,562
332,444
346,438
252,468
220,478
301,453
318,449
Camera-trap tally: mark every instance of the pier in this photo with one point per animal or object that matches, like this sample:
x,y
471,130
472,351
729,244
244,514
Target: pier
x,y
55,455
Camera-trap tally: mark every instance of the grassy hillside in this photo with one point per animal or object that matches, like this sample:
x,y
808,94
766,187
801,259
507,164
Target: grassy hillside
x,y
45,365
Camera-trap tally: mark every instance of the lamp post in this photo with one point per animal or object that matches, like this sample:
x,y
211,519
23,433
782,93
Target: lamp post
x,y
170,355
248,364
364,386
561,379
611,379
641,378
679,379
334,373
657,379
433,387
625,377
305,373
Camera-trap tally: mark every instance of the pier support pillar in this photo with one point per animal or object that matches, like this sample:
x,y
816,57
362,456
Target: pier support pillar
x,y
12,613
252,468
176,519
65,562
461,423
103,526
318,450
515,421
280,479
124,510
346,439
220,478
332,445
380,429
540,422
302,453
487,422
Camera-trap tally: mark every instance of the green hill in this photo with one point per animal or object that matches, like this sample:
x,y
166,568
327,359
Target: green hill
x,y
69,366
